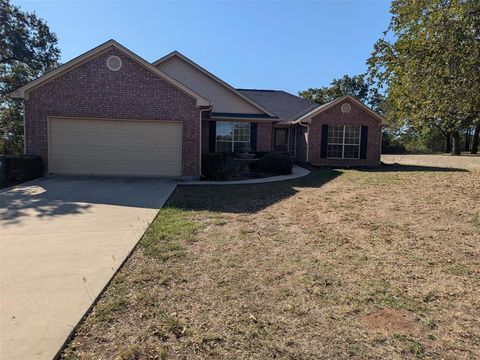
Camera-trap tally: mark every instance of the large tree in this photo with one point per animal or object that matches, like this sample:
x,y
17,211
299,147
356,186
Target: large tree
x,y
28,49
431,68
356,86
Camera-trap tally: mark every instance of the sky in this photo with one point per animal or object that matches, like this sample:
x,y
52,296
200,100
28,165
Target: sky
x,y
282,45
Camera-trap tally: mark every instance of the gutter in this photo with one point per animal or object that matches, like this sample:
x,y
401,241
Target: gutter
x,y
308,134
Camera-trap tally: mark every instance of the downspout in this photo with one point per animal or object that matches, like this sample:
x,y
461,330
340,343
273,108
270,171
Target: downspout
x,y
201,128
308,134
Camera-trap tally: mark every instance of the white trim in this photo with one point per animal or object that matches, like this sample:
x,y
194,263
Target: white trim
x,y
322,108
233,135
212,76
236,119
343,143
22,92
307,133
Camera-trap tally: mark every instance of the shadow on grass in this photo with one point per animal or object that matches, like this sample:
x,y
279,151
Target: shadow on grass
x,y
410,168
246,198
256,197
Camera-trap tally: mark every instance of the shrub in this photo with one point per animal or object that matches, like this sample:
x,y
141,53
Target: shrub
x,y
217,166
260,154
276,163
22,168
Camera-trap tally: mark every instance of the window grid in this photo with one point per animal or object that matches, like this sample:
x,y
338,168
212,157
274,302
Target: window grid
x,y
343,142
232,137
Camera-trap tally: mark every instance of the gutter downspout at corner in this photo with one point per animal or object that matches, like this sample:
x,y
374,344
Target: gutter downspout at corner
x,y
308,134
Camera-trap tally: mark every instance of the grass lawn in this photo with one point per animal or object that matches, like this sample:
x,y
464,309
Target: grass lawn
x,y
378,263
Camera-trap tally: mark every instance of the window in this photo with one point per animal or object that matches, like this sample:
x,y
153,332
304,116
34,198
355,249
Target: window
x,y
343,142
232,136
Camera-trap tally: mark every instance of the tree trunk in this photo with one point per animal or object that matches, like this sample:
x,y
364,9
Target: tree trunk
x,y
456,150
448,144
476,134
467,140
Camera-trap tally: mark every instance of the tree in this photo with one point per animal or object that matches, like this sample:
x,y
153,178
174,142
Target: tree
x,y
475,142
355,86
28,49
431,70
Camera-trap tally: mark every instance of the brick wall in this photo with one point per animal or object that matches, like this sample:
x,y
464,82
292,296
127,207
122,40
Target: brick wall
x,y
133,92
333,116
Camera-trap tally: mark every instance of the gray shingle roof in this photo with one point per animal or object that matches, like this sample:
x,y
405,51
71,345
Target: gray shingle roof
x,y
286,106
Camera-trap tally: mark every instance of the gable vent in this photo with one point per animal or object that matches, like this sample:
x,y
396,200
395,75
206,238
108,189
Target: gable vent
x,y
114,63
346,108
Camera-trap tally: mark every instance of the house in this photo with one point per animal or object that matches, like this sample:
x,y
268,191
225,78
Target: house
x,y
110,112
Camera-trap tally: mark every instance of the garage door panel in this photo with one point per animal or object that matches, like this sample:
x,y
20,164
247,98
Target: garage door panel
x,y
115,147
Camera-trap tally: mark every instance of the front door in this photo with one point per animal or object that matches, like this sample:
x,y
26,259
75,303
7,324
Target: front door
x,y
280,140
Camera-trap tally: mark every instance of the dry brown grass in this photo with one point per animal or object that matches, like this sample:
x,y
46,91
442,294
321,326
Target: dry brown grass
x,y
342,263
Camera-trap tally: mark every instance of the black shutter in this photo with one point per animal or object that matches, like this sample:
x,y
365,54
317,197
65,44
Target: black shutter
x,y
212,134
253,136
324,143
363,142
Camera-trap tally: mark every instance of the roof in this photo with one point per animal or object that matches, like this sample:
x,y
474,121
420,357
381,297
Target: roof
x,y
22,91
212,76
307,116
286,106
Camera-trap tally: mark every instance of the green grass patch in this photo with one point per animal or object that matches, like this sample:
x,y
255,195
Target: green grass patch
x,y
169,230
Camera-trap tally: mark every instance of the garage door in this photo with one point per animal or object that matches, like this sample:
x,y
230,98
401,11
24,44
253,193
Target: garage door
x,y
115,147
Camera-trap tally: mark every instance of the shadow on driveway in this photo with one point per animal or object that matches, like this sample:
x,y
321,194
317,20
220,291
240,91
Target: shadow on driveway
x,y
54,196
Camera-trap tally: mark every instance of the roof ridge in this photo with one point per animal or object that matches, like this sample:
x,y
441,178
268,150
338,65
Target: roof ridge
x,y
266,90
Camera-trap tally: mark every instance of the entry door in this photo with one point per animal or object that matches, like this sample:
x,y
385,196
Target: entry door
x,y
280,140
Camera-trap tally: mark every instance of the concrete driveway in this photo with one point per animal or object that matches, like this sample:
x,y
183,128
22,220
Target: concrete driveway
x,y
61,240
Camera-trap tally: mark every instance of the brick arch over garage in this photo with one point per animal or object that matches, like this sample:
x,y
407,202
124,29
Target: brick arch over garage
x,y
91,90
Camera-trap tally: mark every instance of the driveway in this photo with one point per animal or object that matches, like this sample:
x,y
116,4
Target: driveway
x,y
61,240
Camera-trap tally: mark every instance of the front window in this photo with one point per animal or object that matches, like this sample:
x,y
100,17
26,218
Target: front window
x,y
343,142
232,136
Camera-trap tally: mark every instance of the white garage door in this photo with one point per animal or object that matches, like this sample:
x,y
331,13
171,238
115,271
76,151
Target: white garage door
x,y
114,147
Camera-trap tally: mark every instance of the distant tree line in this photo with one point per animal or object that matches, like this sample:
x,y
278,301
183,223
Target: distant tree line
x,y
28,49
426,81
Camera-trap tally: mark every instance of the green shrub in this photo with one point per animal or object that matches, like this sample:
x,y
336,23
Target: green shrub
x,y
260,154
22,168
276,163
217,166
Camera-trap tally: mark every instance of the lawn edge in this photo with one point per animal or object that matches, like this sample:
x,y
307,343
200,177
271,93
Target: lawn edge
x,y
107,285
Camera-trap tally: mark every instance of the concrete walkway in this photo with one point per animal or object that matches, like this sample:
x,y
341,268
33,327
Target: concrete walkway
x,y
447,161
61,240
297,171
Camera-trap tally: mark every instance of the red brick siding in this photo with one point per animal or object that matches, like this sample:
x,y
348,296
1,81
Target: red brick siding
x,y
264,136
92,90
334,116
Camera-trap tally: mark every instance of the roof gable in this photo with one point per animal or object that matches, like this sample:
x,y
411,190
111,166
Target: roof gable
x,y
22,92
332,103
224,97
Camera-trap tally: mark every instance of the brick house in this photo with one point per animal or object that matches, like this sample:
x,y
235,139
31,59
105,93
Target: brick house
x,y
110,112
